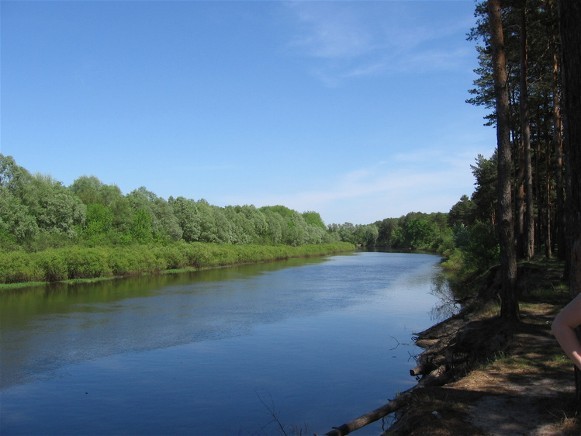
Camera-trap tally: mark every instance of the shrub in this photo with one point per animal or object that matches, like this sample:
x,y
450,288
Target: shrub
x,y
87,263
52,264
172,256
18,266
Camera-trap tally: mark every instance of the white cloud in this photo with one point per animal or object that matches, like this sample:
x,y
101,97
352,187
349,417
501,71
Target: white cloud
x,y
348,40
330,30
426,181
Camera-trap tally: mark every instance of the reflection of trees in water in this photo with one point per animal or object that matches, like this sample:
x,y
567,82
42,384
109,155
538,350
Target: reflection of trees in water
x,y
447,304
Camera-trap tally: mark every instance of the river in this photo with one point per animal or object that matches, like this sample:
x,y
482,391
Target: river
x,y
303,345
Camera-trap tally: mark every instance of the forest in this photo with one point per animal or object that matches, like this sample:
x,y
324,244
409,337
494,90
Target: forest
x,y
526,202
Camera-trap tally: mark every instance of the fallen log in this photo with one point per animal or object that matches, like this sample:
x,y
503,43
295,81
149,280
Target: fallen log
x,y
395,404
438,377
426,365
417,371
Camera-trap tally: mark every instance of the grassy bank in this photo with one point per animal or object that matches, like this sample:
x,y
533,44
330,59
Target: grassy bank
x,y
73,263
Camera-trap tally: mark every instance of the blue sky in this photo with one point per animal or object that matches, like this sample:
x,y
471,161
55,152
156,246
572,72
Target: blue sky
x,y
353,109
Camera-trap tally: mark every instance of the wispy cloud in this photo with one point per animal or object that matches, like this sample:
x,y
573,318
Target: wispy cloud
x,y
349,40
330,30
425,181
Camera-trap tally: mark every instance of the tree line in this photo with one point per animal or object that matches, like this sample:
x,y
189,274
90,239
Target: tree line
x,y
38,212
527,197
415,231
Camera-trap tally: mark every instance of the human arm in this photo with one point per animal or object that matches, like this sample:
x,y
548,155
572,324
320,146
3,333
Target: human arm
x,y
563,328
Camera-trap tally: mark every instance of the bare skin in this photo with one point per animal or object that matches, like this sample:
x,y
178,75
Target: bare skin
x,y
563,328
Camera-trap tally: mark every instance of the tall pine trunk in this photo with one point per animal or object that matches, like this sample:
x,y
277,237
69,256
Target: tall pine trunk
x,y
529,221
570,30
509,305
548,205
560,224
570,21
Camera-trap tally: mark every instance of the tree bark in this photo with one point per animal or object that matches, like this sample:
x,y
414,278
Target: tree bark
x,y
548,206
560,224
570,30
349,427
529,221
509,305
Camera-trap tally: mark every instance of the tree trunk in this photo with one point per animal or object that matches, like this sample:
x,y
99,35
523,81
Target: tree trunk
x,y
349,427
548,206
560,222
520,204
570,22
570,30
509,305
529,221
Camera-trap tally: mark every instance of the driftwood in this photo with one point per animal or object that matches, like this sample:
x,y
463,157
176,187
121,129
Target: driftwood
x,y
437,377
395,404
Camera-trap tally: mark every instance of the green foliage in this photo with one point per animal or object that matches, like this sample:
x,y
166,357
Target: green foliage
x,y
418,233
92,230
414,231
275,223
188,218
124,261
484,197
141,229
18,266
52,265
155,220
17,225
473,220
173,256
89,190
55,208
98,224
366,235
86,263
77,262
37,213
314,219
482,249
13,177
462,213
35,209
387,229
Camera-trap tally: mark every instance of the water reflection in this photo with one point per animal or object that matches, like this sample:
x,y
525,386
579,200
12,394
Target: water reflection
x,y
46,327
176,354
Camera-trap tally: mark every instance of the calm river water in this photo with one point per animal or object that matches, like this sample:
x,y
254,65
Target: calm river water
x,y
310,344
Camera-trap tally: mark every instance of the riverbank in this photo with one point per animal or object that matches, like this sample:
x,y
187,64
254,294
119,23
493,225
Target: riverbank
x,y
76,263
498,378
480,375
